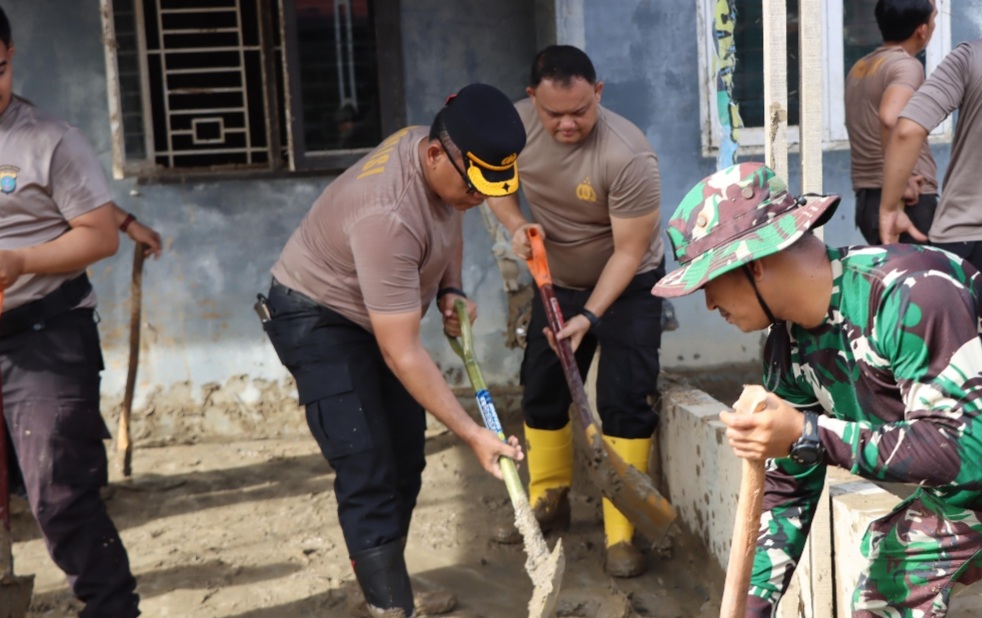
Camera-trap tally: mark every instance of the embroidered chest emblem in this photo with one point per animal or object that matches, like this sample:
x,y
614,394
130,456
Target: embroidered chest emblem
x,y
585,191
8,178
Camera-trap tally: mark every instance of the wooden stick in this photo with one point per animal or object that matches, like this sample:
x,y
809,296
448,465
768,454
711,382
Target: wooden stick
x,y
124,446
745,528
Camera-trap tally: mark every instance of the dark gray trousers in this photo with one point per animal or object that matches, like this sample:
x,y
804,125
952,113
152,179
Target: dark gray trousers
x,y
51,407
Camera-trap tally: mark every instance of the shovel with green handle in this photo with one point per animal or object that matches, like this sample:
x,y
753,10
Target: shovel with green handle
x,y
545,568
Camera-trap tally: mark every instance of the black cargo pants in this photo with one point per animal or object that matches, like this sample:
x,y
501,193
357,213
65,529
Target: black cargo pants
x,y
51,406
368,426
629,335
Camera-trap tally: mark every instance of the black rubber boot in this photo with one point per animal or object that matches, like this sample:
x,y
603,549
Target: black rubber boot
x,y
383,578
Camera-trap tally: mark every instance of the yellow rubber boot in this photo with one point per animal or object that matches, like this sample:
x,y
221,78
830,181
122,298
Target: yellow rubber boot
x,y
549,454
622,558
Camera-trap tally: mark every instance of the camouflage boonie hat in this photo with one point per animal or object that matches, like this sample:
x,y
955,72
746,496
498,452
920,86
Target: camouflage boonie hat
x,y
737,215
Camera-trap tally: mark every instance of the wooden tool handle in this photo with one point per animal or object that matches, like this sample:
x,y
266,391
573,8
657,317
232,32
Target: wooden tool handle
x,y
124,446
539,267
747,524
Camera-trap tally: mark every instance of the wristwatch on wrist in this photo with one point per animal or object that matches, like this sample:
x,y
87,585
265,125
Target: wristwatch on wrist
x,y
808,449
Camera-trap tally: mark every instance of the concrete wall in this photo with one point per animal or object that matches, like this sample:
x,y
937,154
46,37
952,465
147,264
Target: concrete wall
x,y
206,366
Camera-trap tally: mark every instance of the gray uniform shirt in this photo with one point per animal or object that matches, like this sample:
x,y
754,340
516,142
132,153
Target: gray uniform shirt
x,y
956,84
49,174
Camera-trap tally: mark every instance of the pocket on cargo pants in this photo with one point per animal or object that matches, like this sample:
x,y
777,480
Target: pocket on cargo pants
x,y
335,413
77,451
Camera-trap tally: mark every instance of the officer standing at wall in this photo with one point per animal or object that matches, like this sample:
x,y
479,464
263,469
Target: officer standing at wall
x,y
878,87
57,218
956,84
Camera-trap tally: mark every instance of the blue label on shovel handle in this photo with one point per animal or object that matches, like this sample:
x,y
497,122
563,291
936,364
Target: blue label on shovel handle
x,y
487,411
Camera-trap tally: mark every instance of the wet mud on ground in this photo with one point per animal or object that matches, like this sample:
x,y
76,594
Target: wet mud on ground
x,y
249,530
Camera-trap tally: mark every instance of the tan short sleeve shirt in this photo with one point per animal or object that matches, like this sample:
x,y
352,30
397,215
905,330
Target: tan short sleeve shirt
x,y
867,82
377,239
575,190
49,174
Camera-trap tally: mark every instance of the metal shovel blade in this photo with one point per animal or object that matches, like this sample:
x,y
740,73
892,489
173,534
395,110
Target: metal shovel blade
x,y
15,592
545,568
15,596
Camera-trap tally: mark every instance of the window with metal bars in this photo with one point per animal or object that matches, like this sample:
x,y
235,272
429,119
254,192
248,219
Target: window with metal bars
x,y
226,85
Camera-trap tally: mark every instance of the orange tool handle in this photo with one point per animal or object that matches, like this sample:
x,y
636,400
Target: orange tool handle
x,y
537,263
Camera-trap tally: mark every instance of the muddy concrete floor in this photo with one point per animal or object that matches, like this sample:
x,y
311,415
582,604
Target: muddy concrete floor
x,y
249,530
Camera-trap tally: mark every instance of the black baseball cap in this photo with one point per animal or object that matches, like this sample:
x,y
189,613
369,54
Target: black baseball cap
x,y
487,129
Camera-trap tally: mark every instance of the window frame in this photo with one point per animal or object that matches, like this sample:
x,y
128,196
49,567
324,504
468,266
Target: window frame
x,y
283,158
834,135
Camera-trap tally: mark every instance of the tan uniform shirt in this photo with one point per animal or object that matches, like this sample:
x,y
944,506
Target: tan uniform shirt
x,y
574,190
377,239
866,83
49,174
956,84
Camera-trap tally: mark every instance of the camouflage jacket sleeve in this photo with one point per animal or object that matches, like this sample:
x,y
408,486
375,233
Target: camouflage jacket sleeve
x,y
924,334
791,493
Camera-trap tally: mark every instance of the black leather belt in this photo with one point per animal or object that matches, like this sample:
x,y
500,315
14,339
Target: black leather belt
x,y
34,314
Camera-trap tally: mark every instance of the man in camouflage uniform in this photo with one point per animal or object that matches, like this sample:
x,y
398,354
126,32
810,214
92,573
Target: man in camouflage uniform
x,y
875,364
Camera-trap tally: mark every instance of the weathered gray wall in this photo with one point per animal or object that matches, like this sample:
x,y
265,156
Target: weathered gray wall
x,y
646,52
206,366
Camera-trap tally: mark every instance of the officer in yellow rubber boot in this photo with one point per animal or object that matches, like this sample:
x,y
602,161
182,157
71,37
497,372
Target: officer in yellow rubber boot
x,y
591,180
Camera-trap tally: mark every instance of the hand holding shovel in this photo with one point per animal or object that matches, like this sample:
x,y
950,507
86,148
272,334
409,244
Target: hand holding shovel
x,y
631,490
545,569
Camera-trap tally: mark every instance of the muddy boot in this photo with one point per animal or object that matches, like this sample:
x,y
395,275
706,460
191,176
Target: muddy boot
x,y
622,559
549,454
434,602
384,581
430,603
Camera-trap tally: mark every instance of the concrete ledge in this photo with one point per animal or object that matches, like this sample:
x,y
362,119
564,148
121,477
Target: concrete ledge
x,y
702,478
